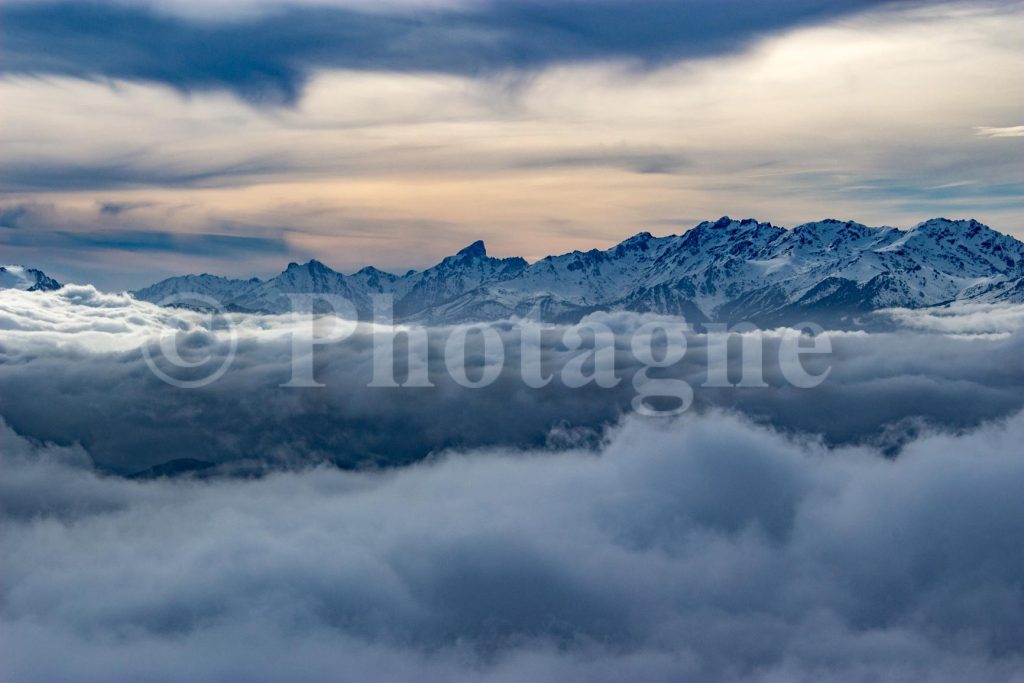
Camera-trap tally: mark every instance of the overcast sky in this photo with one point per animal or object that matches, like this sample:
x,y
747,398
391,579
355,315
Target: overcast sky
x,y
142,139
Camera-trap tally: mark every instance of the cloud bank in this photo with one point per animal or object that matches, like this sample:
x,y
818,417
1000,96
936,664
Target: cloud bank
x,y
267,56
705,549
73,370
864,530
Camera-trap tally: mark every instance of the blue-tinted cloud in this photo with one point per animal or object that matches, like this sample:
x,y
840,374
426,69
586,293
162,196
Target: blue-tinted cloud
x,y
127,244
126,174
706,549
267,58
145,241
117,208
12,216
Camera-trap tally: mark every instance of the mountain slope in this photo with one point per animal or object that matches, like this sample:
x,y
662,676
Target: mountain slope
x,y
725,270
28,279
177,290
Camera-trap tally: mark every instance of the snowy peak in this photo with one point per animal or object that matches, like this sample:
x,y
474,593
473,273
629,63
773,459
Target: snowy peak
x,y
177,290
732,226
476,249
371,271
312,269
26,279
728,235
453,277
946,226
952,233
372,279
640,241
964,248
968,234
834,232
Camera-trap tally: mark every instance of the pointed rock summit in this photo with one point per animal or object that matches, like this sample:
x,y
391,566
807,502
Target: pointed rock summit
x,y
639,238
476,249
312,265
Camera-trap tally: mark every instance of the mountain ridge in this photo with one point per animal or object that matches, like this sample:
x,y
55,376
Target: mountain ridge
x,y
725,270
27,279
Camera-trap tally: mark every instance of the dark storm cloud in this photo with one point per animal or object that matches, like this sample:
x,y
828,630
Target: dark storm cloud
x,y
267,58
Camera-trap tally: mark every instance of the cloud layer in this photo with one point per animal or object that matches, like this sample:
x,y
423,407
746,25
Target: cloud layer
x,y
267,56
549,535
706,549
73,370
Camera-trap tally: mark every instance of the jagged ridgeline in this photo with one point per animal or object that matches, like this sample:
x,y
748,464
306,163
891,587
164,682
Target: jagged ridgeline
x,y
832,272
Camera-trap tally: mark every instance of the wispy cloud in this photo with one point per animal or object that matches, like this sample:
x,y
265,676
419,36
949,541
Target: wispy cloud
x,y
995,132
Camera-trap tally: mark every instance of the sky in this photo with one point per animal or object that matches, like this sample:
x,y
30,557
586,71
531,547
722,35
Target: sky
x,y
146,139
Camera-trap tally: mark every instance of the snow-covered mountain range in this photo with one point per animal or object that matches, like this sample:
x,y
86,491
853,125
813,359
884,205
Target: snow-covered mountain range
x,y
726,270
28,279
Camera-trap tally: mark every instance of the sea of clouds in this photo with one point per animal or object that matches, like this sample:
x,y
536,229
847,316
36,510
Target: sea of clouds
x,y
867,529
73,369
